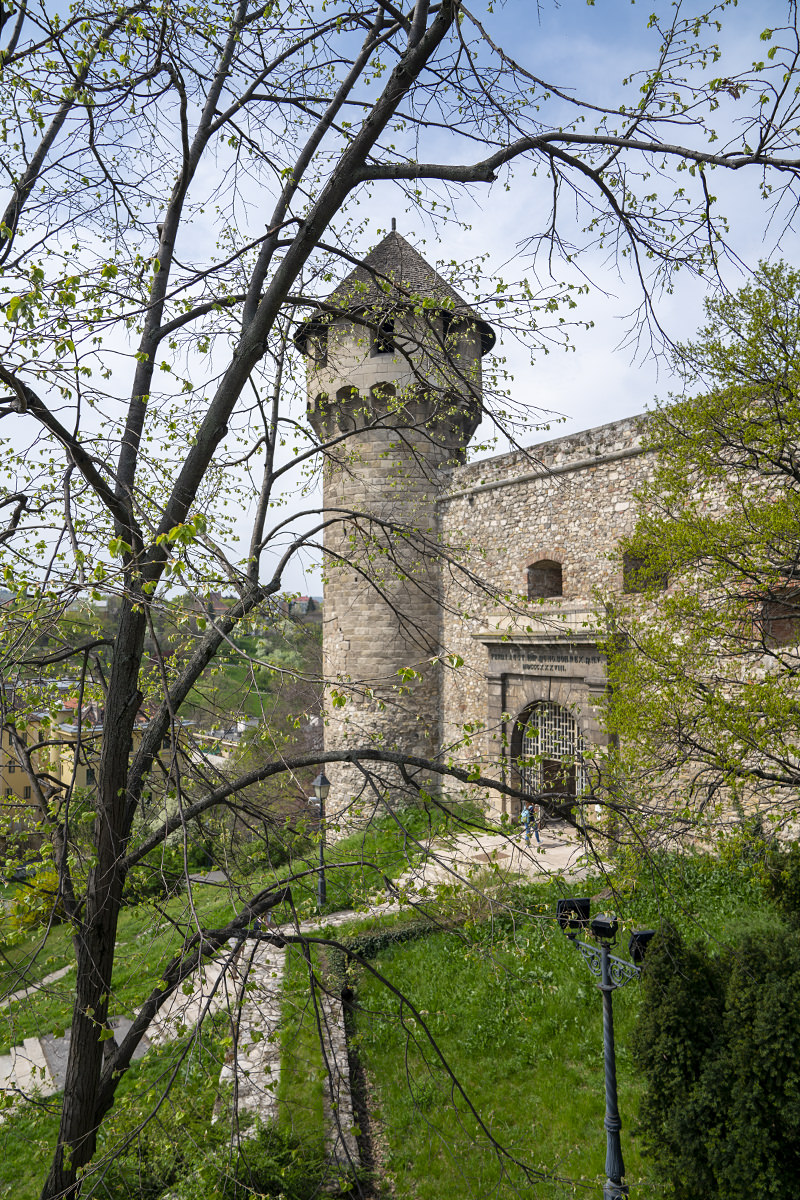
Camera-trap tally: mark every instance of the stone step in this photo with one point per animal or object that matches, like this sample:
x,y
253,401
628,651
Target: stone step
x,y
6,1070
25,1070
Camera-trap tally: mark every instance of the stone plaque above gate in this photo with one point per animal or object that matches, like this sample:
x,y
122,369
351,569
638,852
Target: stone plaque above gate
x,y
571,657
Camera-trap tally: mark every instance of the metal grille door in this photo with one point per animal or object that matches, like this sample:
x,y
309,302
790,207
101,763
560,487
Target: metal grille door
x,y
552,757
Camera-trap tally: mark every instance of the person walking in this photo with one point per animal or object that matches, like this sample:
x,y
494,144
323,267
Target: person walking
x,y
526,817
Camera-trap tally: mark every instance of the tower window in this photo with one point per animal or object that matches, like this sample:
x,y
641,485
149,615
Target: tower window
x,y
383,338
318,347
544,579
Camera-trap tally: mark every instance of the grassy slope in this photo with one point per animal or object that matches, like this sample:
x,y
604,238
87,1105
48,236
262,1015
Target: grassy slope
x,y
147,937
515,1011
519,1019
146,940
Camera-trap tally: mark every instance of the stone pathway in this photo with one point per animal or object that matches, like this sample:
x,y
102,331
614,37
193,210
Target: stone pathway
x,y
25,1070
465,857
37,987
253,1066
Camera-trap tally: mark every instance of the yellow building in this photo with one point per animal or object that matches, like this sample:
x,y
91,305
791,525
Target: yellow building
x,y
63,754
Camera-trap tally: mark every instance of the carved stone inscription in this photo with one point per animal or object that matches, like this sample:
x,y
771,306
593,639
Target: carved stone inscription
x,y
544,659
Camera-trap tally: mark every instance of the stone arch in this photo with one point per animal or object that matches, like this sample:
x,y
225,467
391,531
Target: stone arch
x,y
545,579
348,392
548,754
383,391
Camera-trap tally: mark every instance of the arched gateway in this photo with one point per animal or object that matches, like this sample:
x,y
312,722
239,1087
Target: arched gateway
x,y
548,750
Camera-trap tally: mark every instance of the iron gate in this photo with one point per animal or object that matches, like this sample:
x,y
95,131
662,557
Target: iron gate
x,y
552,752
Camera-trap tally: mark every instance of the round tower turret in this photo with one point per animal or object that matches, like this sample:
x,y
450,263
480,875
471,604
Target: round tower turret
x,y
394,395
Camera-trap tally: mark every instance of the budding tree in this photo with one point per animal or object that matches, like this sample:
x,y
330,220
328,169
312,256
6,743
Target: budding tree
x,y
181,184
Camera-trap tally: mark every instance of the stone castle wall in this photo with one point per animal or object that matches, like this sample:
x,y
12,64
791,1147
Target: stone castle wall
x,y
570,501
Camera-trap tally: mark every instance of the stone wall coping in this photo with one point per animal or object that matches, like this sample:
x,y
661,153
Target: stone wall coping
x,y
582,636
580,464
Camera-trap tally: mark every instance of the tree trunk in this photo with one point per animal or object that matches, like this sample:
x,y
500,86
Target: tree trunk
x,y
96,935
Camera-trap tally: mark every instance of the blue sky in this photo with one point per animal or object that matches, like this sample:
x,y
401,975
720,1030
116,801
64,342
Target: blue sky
x,y
588,48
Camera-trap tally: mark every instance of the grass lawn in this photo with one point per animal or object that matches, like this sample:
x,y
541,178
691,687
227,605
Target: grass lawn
x,y
517,1017
519,1021
509,1002
300,1092
229,688
356,864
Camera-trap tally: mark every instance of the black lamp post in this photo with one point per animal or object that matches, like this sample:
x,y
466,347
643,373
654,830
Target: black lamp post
x,y
321,786
611,972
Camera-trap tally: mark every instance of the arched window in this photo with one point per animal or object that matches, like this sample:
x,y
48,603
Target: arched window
x,y
383,338
780,617
550,752
544,579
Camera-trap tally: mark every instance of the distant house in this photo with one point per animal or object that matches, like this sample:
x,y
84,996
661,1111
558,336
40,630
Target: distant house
x,y
213,605
307,608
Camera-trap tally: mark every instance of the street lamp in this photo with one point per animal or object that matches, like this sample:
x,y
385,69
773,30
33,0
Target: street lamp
x,y
321,786
611,972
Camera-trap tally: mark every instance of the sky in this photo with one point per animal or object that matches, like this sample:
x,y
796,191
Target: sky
x,y
602,377
589,48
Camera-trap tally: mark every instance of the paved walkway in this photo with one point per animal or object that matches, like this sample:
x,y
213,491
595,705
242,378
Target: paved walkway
x,y
252,985
466,857
253,1066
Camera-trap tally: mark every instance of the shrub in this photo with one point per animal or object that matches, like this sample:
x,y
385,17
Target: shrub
x,y
273,1163
719,1045
162,873
783,880
35,903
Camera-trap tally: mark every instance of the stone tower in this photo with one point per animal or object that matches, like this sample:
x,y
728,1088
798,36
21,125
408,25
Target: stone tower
x,y
394,395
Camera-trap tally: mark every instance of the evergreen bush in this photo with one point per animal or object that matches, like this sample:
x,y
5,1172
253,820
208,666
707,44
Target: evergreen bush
x,y
718,1042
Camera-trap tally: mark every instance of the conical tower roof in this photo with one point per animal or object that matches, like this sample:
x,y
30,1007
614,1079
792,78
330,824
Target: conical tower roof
x,y
393,275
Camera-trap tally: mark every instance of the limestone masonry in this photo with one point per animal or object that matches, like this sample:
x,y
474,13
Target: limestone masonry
x,y
460,600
